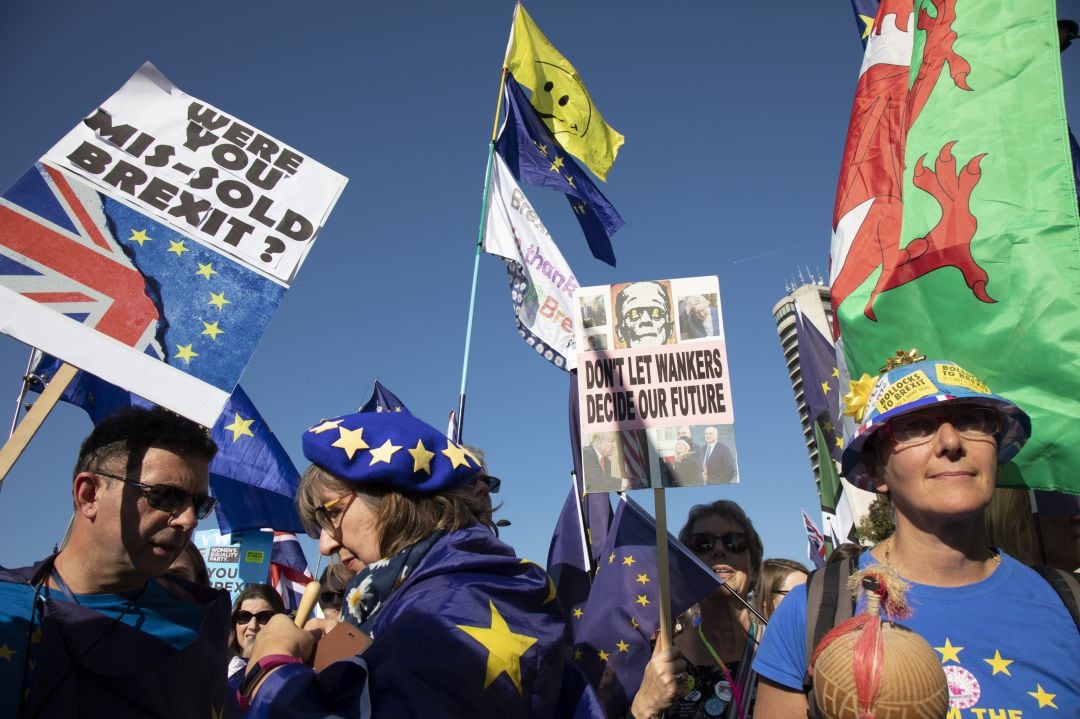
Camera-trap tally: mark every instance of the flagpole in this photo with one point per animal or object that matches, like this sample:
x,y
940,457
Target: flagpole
x,y
660,502
479,251
22,391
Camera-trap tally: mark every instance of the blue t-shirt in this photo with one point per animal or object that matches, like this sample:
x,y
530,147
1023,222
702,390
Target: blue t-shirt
x,y
1007,644
154,611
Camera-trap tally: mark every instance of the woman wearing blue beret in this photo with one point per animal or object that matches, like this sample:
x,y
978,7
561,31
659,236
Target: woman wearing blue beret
x,y
460,626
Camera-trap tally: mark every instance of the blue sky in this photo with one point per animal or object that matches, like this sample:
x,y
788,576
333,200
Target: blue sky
x,y
734,117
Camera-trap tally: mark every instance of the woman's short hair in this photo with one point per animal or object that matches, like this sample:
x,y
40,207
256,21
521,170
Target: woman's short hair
x,y
401,518
252,591
773,574
726,509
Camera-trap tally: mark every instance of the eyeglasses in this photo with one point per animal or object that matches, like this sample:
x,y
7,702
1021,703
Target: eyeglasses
x,y
703,542
326,519
167,498
244,616
919,427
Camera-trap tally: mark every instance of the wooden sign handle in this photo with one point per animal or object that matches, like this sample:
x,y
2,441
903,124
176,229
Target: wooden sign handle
x,y
13,449
662,568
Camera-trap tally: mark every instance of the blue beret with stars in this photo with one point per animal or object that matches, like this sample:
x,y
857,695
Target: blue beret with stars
x,y
389,449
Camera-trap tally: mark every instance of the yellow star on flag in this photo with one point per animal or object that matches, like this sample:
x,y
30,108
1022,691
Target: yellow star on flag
x,y
216,713
998,664
557,164
505,648
570,181
456,454
611,559
6,652
579,208
217,299
869,22
633,622
35,636
206,270
836,372
642,600
578,613
825,387
240,427
542,148
325,425
139,236
383,453
1045,698
212,329
840,442
177,247
577,654
826,426
628,560
623,646
603,655
185,353
421,457
642,579
949,652
350,441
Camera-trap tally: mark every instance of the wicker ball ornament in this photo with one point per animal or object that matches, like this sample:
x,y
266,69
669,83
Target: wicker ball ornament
x,y
867,668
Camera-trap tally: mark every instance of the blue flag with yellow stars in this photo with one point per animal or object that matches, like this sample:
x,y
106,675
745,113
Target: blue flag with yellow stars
x,y
821,383
535,158
612,634
865,12
383,400
252,477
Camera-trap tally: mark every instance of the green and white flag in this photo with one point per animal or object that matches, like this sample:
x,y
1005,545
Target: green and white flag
x,y
980,262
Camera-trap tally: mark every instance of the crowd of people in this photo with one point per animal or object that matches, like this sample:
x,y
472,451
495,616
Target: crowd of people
x,y
425,612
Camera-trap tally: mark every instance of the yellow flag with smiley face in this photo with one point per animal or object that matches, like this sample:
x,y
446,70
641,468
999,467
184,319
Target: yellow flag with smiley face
x,y
560,97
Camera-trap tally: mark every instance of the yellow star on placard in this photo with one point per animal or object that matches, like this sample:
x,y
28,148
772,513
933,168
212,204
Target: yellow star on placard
x,y
642,579
217,299
603,655
505,648
325,425
1045,698
240,427
6,653
185,353
623,646
140,237
628,560
456,455
206,270
949,652
578,613
557,164
350,441
383,453
642,600
998,664
421,457
212,329
177,247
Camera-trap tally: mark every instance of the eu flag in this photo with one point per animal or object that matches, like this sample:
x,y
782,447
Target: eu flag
x,y
252,477
612,643
383,400
534,157
820,383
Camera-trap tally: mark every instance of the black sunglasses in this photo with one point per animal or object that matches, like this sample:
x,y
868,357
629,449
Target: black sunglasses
x,y
244,616
703,542
168,499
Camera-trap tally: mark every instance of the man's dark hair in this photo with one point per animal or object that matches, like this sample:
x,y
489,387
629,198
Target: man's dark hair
x,y
127,433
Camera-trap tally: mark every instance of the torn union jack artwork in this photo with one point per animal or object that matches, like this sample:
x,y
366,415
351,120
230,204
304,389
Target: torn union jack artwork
x,y
86,278
131,252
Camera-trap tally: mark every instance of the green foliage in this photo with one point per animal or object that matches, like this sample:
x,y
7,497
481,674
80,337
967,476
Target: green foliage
x,y
878,524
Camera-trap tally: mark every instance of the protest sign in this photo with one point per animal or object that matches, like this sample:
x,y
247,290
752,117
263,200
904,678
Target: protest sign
x,y
235,560
653,390
153,243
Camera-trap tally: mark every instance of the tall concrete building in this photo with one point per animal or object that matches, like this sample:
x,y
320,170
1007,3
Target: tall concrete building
x,y
815,303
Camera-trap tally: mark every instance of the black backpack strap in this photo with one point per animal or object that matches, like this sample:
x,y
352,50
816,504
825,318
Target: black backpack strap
x,y
1067,586
828,603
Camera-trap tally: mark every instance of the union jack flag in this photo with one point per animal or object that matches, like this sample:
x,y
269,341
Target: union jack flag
x,y
56,249
289,573
815,541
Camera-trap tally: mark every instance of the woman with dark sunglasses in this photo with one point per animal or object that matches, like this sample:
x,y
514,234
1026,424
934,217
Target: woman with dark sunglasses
x,y
706,673
254,607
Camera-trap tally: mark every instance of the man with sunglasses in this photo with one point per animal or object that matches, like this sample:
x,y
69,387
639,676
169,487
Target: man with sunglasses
x,y
932,436
97,630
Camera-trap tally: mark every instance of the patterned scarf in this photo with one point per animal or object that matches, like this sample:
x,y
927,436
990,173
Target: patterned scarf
x,y
366,592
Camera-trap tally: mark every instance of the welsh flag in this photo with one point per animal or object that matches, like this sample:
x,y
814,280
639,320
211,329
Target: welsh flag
x,y
956,228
